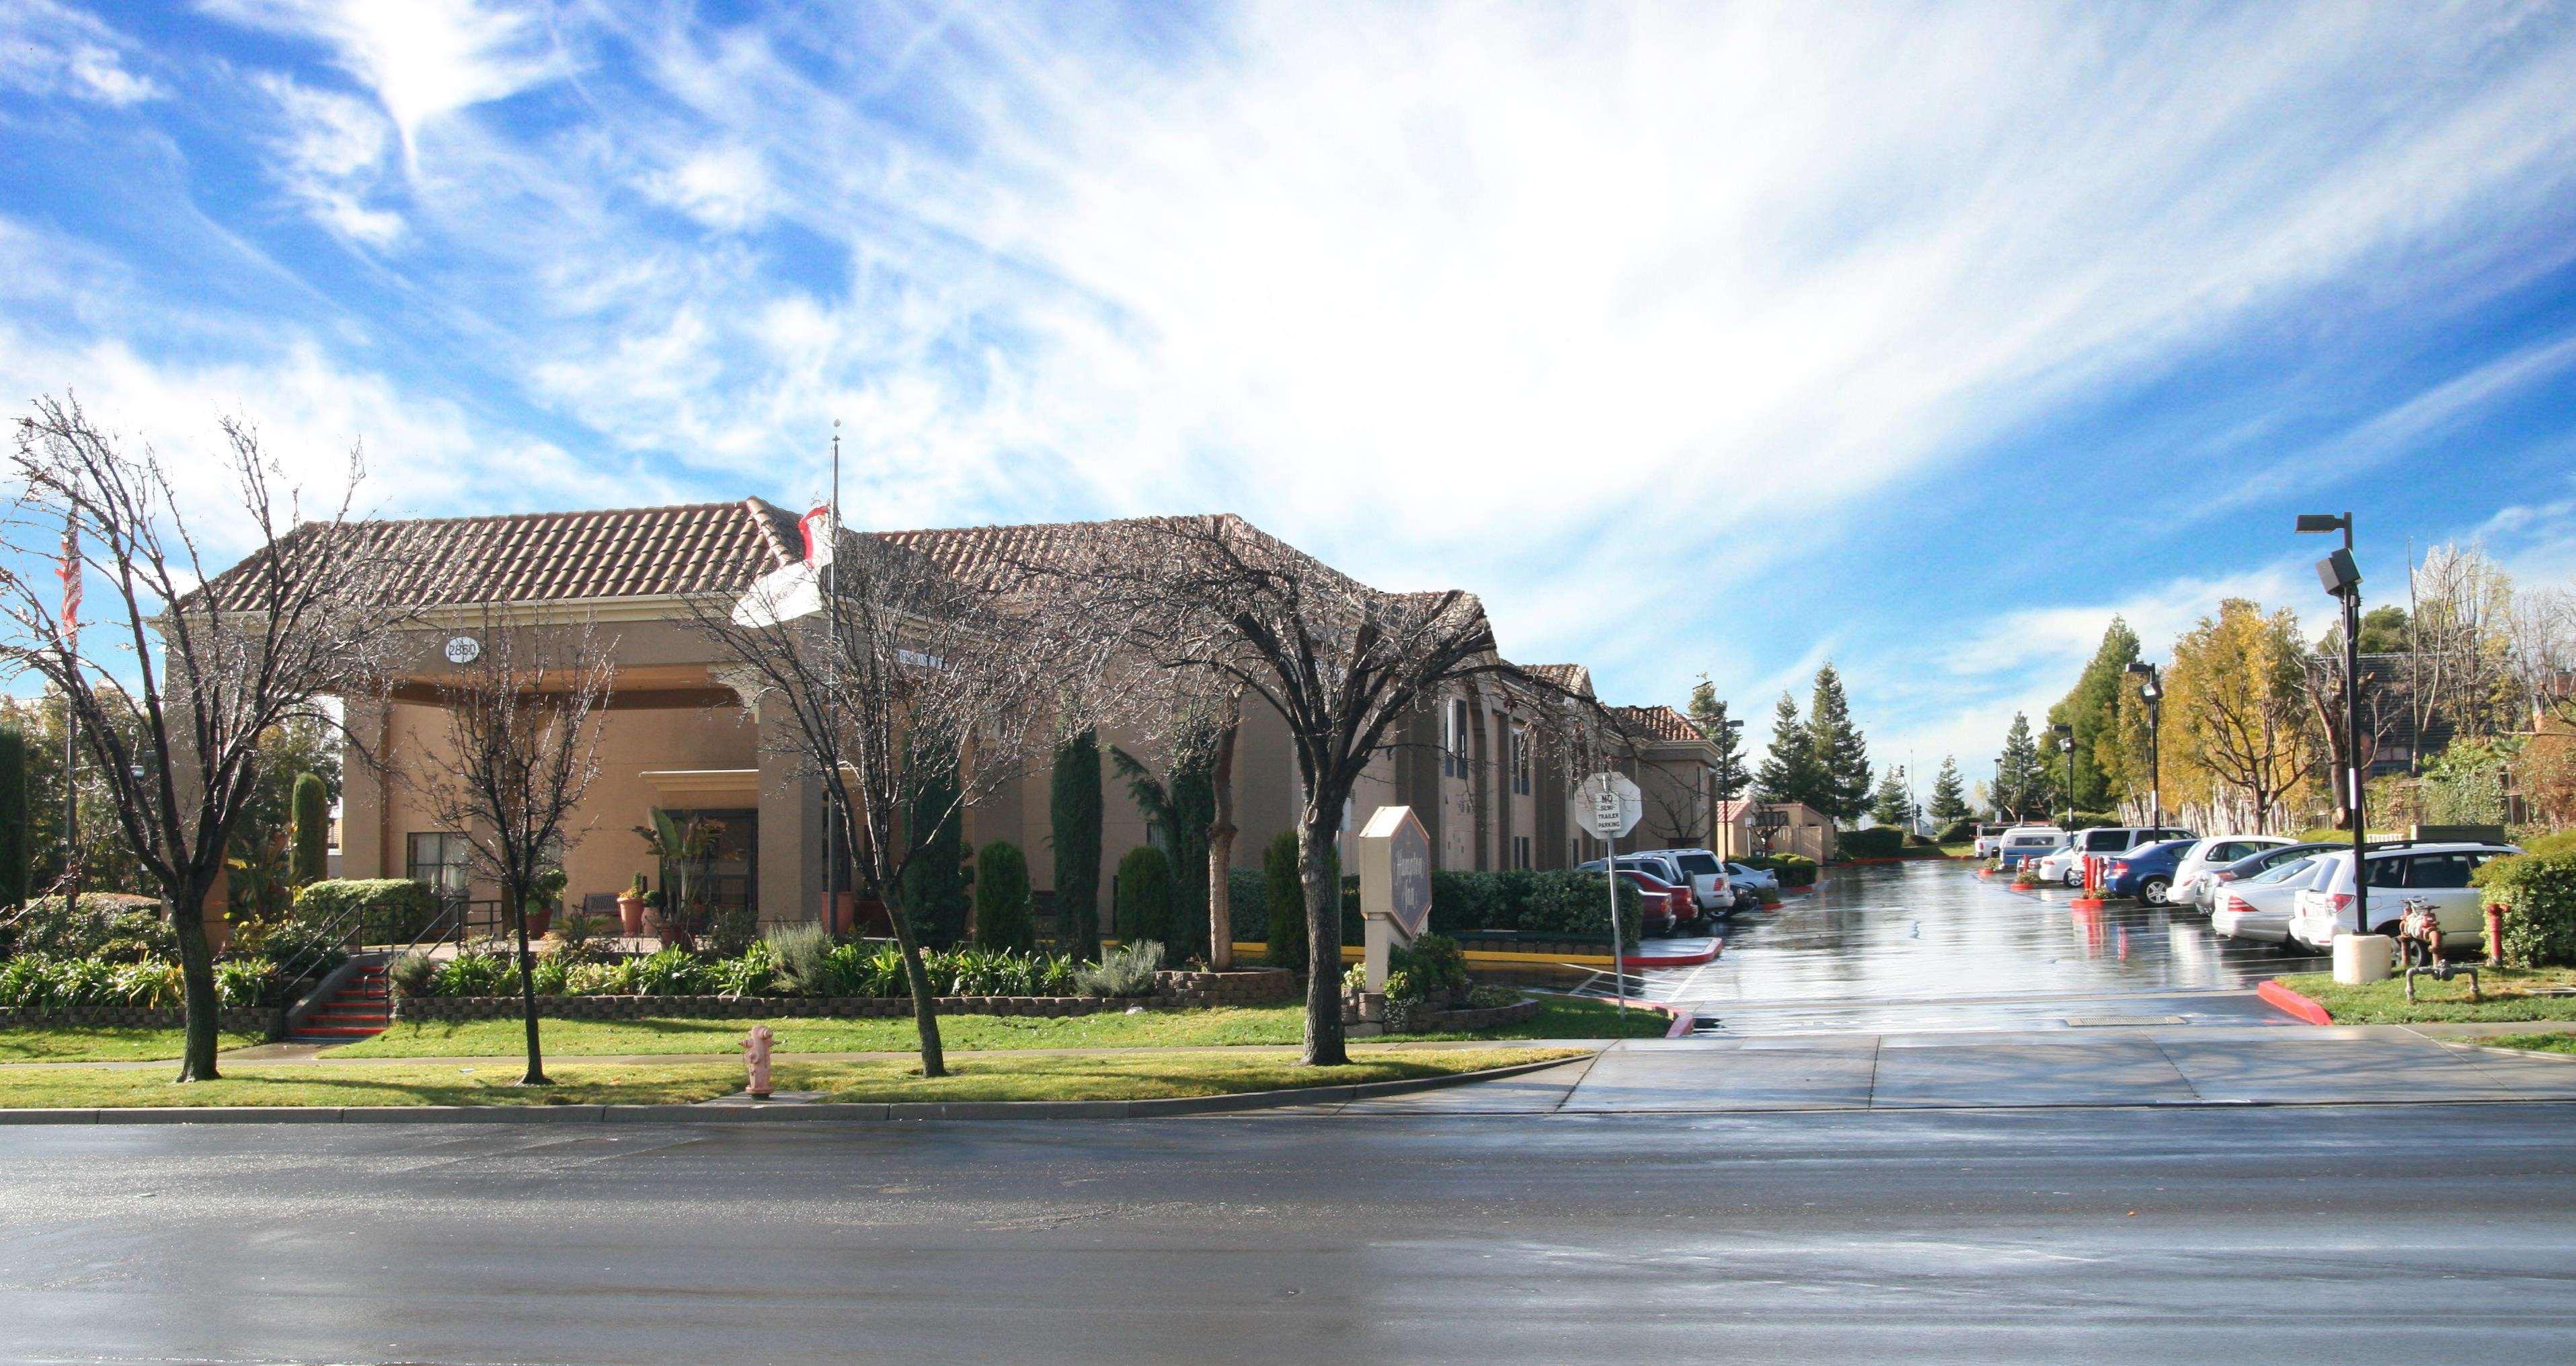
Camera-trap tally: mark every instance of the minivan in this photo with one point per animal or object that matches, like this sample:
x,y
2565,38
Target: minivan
x,y
2028,842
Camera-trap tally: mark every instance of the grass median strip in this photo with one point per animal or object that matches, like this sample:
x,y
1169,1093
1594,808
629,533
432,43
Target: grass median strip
x,y
994,1076
2537,1043
2509,994
1558,1018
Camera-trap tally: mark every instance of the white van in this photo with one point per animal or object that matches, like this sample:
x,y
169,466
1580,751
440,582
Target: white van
x,y
2028,842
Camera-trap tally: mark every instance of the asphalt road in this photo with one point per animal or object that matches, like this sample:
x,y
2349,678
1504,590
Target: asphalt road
x,y
2364,1234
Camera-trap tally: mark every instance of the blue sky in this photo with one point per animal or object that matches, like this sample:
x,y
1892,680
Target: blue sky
x,y
1715,338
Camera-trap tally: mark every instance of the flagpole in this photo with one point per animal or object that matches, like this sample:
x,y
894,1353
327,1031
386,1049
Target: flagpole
x,y
832,693
71,717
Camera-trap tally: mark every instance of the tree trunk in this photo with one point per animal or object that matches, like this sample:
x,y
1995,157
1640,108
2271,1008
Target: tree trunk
x,y
536,1073
888,893
1221,842
1321,874
197,982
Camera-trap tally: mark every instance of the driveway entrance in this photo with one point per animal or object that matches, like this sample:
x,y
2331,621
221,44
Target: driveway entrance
x,y
1931,946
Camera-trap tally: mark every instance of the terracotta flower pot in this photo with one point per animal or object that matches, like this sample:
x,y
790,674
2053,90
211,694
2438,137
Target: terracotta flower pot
x,y
540,920
630,915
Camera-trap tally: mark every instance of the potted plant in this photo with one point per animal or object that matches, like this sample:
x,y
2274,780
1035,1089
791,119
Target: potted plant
x,y
653,918
630,909
542,894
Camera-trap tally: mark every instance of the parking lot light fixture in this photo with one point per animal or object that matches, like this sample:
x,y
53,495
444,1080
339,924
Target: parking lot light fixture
x,y
2151,690
2342,579
2066,739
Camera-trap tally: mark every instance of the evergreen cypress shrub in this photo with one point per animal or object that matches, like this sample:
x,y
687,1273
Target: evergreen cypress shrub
x,y
1284,896
1144,900
308,853
1073,810
1002,916
935,880
16,840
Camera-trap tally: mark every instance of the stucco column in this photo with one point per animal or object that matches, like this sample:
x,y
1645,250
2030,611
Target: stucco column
x,y
362,787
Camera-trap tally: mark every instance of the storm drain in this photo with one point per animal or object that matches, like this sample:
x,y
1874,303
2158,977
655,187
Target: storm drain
x,y
2122,1021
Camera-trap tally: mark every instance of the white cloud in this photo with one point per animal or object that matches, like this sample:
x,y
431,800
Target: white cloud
x,y
333,151
726,188
50,49
422,58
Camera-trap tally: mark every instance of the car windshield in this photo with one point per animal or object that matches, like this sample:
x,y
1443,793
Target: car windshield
x,y
1698,863
2284,872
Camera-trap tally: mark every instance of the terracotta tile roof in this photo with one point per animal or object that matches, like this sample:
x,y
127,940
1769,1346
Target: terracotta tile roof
x,y
570,556
1656,723
1573,678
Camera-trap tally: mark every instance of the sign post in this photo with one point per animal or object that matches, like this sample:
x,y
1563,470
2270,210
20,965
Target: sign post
x,y
1608,805
1395,888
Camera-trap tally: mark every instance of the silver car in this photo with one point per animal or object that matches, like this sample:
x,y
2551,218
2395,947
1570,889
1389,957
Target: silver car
x,y
2259,907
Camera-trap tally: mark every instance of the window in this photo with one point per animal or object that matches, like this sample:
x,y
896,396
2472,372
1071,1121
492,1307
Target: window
x,y
2441,872
439,858
1453,740
1521,763
1521,851
2388,872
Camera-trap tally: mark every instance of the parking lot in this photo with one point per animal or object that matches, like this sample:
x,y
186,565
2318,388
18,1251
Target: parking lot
x,y
1930,946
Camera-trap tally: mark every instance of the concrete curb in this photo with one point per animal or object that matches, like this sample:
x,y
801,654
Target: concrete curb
x,y
2294,1004
764,1114
1674,960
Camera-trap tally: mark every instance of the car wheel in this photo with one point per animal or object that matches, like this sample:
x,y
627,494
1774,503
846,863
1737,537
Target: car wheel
x,y
2074,878
2152,891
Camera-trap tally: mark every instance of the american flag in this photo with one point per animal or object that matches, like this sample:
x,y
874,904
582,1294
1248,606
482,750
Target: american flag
x,y
69,571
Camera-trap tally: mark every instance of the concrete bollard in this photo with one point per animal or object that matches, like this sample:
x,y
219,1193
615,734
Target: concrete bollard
x,y
2360,959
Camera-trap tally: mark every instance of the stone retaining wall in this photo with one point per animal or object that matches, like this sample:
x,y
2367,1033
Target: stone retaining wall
x,y
1261,986
244,1019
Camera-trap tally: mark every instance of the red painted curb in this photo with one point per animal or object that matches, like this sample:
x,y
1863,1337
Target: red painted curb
x,y
1682,1022
2294,1004
2086,903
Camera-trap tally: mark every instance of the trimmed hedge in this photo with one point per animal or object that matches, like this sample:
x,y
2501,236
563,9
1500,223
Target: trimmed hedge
x,y
1559,903
1283,897
1795,870
1142,904
1878,841
391,909
2538,892
1003,918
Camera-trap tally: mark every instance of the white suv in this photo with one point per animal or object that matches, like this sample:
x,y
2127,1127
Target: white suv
x,y
2437,873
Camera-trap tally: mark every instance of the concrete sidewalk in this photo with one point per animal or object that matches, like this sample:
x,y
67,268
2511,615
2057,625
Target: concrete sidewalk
x,y
2113,1067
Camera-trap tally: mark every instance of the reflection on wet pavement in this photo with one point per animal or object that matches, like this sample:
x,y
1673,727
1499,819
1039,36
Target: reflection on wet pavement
x,y
1933,946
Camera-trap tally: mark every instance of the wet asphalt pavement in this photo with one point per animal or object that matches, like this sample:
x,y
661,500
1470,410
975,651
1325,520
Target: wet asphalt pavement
x,y
2121,1227
2339,1234
1931,946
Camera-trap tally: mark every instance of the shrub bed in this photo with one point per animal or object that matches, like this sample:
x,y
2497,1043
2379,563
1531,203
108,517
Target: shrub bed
x,y
1878,841
1562,905
1172,990
45,986
2538,893
1795,870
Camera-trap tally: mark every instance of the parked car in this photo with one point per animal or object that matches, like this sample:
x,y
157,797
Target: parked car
x,y
1712,884
2208,856
2146,872
1989,839
1656,880
2259,907
1755,880
2028,842
2260,861
2437,873
2067,864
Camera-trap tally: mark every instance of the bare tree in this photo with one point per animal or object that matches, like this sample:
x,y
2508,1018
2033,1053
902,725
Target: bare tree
x,y
2457,667
172,732
2542,628
1341,662
523,724
905,678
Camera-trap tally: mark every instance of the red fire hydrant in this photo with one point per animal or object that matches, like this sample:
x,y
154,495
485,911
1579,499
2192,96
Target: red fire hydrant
x,y
755,1056
2495,935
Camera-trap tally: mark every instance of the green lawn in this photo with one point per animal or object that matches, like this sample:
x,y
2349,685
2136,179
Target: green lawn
x,y
2506,991
980,1077
1558,1018
2538,1043
99,1043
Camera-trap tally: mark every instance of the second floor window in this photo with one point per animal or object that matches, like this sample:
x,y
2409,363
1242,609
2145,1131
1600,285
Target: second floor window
x,y
1453,740
1521,762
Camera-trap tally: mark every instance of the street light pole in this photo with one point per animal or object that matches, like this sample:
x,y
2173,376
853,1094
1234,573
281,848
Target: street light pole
x,y
2342,579
2066,740
2151,690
